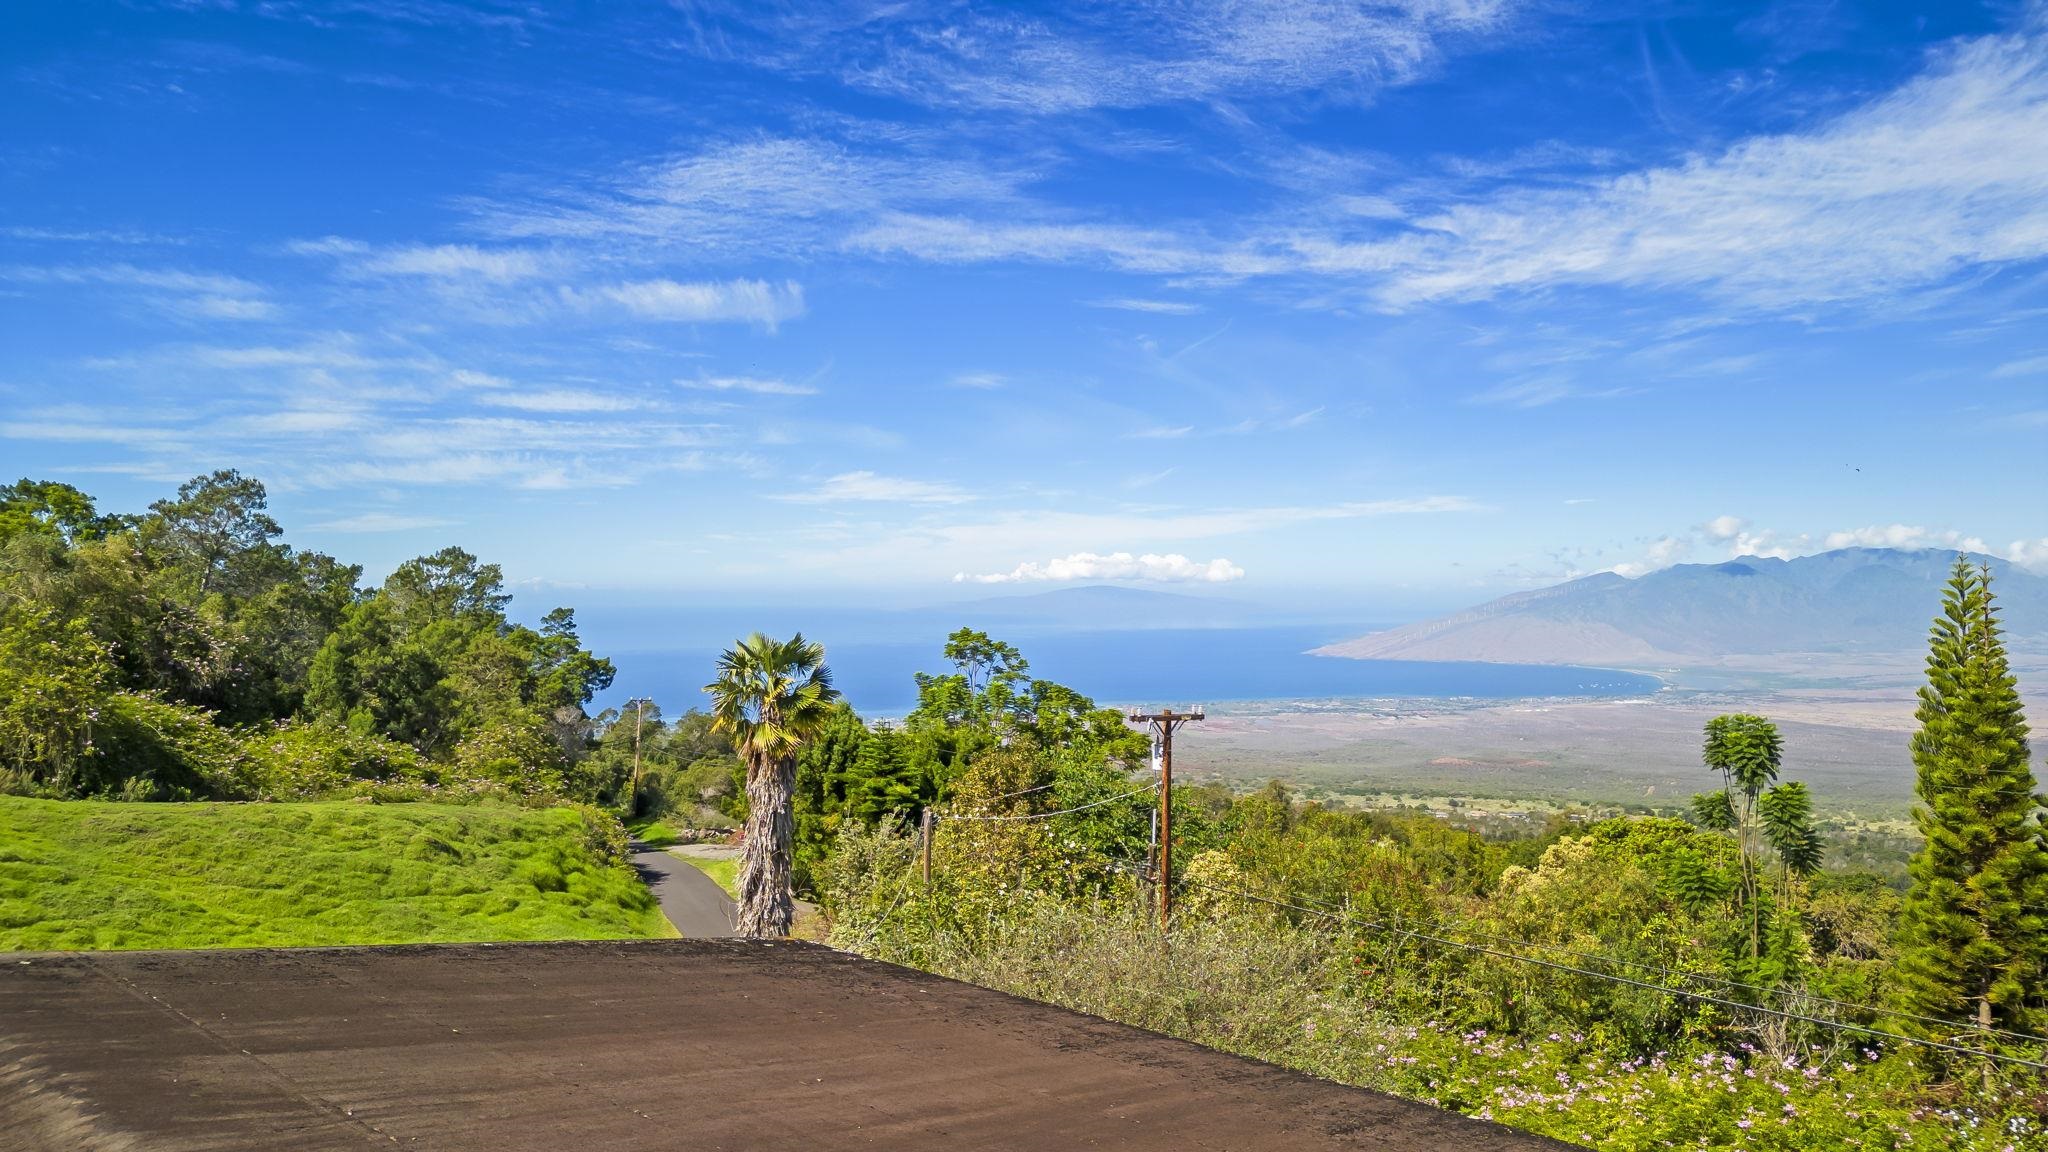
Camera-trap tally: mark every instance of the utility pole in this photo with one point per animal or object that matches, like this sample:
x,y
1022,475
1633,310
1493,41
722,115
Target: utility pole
x,y
633,797
1163,723
925,826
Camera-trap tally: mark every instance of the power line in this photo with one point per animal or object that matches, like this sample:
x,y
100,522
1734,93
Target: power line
x,y
1049,815
1025,792
1608,976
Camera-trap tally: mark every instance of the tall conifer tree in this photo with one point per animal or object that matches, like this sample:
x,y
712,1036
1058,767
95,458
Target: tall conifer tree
x,y
1973,936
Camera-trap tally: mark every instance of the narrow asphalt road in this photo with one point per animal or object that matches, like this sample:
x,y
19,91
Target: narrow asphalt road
x,y
692,901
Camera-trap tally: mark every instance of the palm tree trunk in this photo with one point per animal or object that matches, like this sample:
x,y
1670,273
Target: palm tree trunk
x,y
766,904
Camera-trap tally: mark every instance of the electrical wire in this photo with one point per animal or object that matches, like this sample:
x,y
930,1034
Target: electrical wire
x,y
1046,815
1025,792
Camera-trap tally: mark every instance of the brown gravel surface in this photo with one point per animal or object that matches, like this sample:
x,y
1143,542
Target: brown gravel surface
x,y
665,1044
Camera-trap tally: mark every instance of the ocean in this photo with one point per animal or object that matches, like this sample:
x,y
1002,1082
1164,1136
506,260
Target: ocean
x,y
1164,667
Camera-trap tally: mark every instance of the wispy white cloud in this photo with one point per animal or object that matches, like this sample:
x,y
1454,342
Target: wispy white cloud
x,y
1163,51
981,380
754,385
380,522
1139,304
1544,391
869,487
704,301
1947,173
1170,568
2027,366
958,239
455,261
193,295
561,400
775,195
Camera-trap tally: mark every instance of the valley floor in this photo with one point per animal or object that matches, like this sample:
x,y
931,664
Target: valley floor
x,y
1848,744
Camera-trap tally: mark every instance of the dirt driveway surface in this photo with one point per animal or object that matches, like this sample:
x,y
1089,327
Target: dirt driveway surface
x,y
668,1044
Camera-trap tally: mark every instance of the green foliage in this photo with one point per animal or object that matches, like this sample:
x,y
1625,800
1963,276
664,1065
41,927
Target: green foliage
x,y
49,508
87,876
1786,813
54,684
771,696
514,748
1309,995
190,652
988,702
1714,811
1973,934
302,761
1745,749
1748,752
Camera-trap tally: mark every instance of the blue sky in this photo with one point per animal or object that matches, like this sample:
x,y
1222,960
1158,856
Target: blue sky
x,y
1407,303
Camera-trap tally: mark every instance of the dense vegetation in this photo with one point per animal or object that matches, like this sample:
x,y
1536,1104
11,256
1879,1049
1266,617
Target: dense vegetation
x,y
210,875
188,653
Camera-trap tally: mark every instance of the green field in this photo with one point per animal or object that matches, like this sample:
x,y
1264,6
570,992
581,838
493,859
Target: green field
x,y
84,875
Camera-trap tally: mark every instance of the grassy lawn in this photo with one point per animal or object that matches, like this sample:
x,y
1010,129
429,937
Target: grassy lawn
x,y
653,833
82,875
726,872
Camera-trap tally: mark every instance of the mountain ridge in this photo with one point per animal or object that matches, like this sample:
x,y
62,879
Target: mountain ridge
x,y
1849,602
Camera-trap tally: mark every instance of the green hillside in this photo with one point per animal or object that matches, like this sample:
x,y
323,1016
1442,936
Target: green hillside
x,y
86,875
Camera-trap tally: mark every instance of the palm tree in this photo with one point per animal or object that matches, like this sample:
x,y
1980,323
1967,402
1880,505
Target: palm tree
x,y
773,696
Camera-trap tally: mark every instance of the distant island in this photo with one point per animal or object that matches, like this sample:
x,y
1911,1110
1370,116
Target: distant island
x,y
1863,608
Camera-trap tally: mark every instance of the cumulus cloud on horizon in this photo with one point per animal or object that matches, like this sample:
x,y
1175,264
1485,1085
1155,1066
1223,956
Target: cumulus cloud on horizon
x,y
1172,568
1737,538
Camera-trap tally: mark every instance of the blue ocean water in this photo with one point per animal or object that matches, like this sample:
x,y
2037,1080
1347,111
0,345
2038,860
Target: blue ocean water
x,y
1153,666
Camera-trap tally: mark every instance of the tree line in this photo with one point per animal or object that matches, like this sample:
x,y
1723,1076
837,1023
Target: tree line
x,y
189,652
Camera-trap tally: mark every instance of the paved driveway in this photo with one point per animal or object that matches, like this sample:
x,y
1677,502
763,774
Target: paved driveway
x,y
692,901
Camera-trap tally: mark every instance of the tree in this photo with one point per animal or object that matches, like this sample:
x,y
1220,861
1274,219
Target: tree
x,y
50,508
1713,811
774,696
1973,934
448,584
1786,813
218,532
1746,750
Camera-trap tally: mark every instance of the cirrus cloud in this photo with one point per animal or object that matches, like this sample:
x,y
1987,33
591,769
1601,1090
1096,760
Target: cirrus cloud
x,y
1172,568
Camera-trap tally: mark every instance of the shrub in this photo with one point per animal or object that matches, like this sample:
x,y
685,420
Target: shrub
x,y
514,748
299,761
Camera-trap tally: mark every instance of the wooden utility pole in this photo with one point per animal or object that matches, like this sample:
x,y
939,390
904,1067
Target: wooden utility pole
x,y
1163,723
926,827
633,797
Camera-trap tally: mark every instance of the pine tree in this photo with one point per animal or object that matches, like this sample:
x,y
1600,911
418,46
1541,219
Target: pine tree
x,y
1973,935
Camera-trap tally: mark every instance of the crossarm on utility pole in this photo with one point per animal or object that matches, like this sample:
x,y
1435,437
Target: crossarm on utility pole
x,y
1163,723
